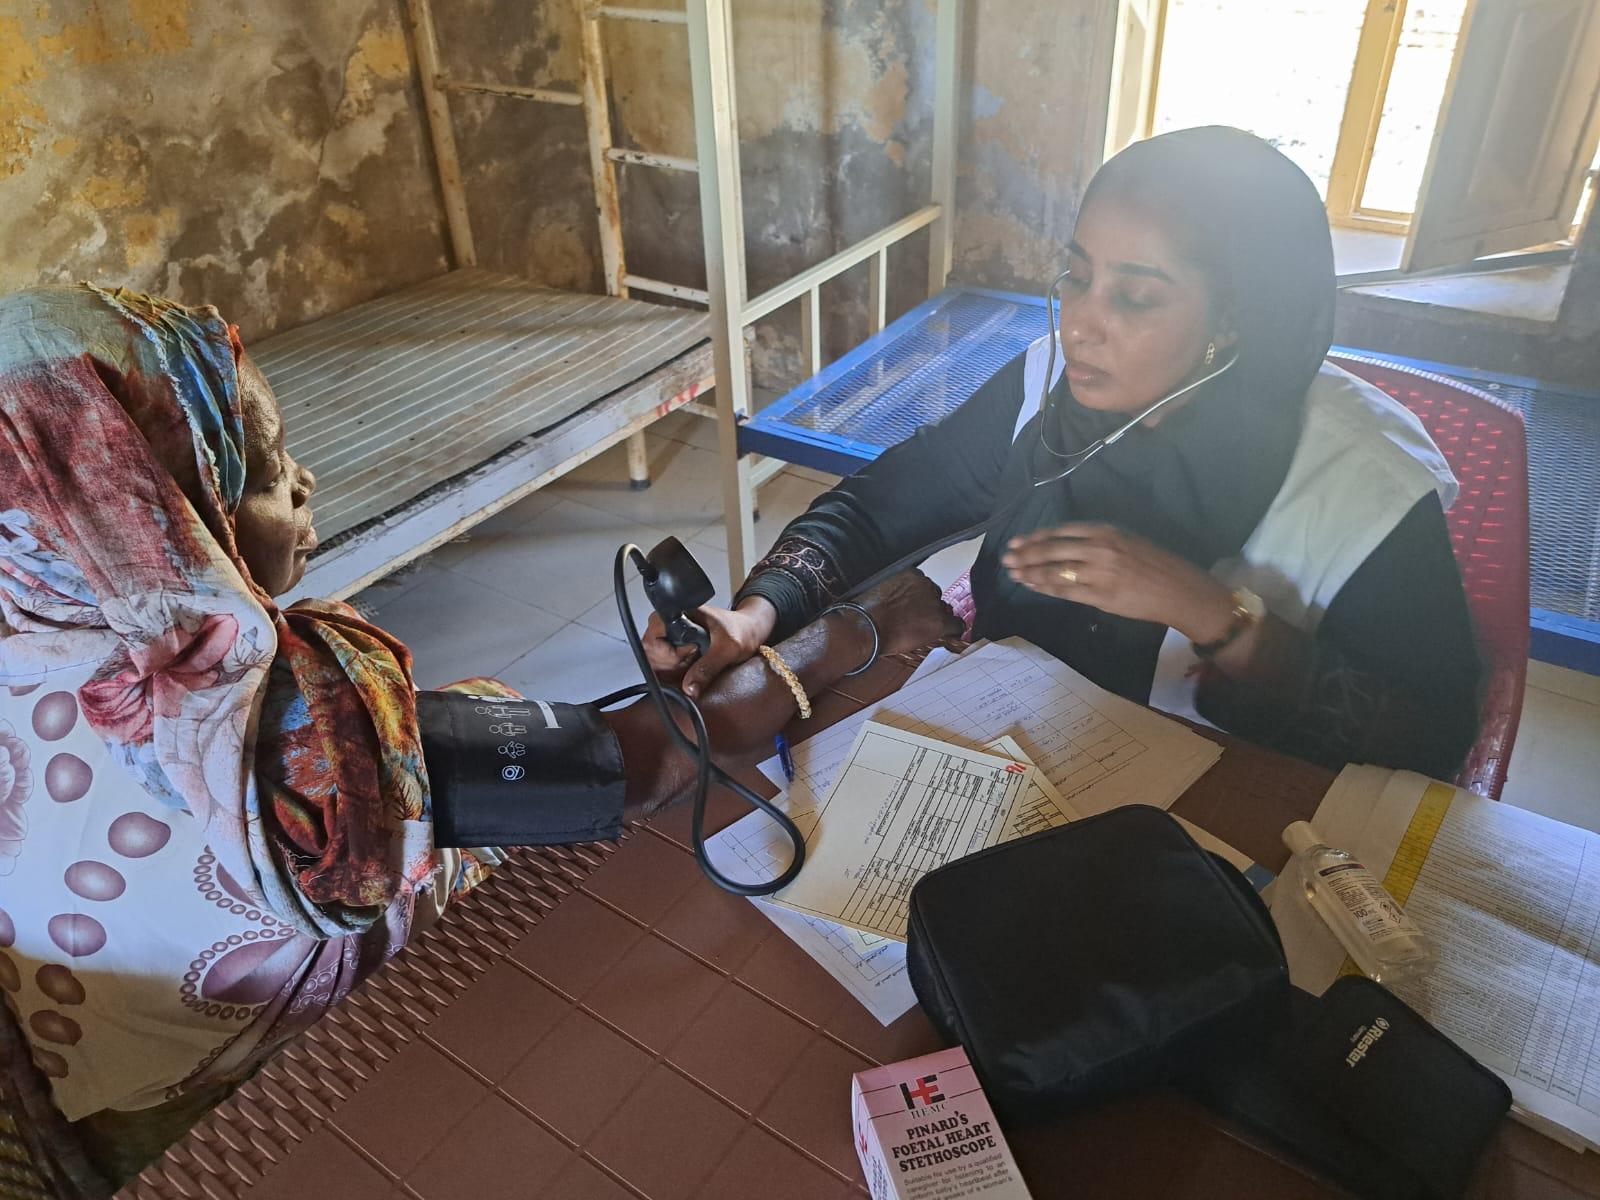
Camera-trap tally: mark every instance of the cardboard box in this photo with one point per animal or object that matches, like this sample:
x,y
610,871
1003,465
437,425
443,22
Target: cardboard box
x,y
925,1131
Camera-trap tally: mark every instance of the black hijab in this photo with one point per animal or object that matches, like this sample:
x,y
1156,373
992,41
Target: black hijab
x,y
1199,482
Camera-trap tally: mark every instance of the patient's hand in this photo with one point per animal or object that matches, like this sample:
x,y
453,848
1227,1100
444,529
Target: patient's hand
x,y
910,613
907,609
747,703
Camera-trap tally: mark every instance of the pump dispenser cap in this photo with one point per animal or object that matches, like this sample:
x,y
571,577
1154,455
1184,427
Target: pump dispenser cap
x,y
1300,837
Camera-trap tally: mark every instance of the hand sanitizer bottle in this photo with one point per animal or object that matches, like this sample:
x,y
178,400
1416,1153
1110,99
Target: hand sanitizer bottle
x,y
1384,942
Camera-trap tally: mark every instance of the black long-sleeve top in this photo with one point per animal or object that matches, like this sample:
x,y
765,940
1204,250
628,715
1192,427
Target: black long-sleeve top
x,y
1390,676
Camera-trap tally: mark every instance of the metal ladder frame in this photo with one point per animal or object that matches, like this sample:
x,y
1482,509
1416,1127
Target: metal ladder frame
x,y
722,221
592,97
709,27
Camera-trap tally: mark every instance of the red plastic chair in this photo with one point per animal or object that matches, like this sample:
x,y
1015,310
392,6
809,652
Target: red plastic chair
x,y
1486,446
1484,442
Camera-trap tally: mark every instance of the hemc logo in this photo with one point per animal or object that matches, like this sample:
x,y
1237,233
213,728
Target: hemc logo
x,y
923,1093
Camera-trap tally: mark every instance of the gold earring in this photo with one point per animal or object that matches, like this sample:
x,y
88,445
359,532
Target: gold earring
x,y
1211,352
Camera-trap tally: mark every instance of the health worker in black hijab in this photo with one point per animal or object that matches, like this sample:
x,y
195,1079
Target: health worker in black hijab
x,y
1193,252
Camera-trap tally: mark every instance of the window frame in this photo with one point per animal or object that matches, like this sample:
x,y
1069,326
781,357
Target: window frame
x,y
1381,27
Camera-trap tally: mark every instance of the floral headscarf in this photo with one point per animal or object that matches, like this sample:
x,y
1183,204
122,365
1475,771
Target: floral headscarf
x,y
290,735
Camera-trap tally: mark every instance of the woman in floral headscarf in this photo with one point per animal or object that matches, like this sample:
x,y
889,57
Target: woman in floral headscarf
x,y
216,815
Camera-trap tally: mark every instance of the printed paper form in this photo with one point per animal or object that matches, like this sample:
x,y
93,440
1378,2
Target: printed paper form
x,y
901,805
1039,808
871,967
1098,749
1512,902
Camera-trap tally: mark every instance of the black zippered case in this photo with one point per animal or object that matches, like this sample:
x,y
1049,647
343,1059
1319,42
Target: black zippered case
x,y
1359,1089
1092,959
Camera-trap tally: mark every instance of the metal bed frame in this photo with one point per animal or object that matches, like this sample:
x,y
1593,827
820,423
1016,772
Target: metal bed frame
x,y
457,472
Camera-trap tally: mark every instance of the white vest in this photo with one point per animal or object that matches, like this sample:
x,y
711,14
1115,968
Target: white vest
x,y
1362,462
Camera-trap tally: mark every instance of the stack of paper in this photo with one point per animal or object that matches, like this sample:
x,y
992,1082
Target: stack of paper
x,y
920,792
1097,749
1511,901
900,806
870,965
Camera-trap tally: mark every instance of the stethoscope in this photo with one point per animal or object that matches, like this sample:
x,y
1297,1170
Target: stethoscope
x,y
1072,459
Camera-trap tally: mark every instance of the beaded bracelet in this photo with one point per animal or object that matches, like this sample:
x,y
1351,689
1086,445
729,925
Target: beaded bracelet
x,y
846,606
781,669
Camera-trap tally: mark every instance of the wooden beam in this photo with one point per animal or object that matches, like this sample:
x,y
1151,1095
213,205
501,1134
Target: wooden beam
x,y
437,107
597,117
1363,107
659,16
644,158
644,283
510,91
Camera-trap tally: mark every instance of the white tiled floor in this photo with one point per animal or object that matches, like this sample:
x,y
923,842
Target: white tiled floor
x,y
1555,768
527,598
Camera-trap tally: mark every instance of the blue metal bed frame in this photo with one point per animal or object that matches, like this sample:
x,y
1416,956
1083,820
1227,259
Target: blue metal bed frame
x,y
919,369
931,360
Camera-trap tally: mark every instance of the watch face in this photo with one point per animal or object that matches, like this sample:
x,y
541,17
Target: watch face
x,y
1250,604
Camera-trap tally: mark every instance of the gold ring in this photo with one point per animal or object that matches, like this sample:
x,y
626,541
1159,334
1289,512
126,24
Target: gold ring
x,y
1068,575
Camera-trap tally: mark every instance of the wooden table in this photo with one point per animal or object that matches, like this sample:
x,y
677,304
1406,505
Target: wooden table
x,y
654,1037
1166,1145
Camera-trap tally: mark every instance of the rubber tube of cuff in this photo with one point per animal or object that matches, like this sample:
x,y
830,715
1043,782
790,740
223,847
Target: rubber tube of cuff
x,y
698,748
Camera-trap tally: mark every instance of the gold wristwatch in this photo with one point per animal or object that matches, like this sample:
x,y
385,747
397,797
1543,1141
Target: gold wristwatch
x,y
1248,611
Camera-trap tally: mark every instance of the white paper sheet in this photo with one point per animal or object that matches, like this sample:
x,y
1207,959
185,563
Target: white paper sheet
x,y
1511,901
1040,807
901,805
871,967
1097,749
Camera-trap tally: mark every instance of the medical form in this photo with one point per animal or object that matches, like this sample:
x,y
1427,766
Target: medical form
x,y
901,804
868,965
1511,900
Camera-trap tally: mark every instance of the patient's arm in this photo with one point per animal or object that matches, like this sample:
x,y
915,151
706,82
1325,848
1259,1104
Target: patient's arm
x,y
746,706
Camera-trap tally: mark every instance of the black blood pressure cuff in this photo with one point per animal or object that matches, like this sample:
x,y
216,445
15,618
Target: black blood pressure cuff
x,y
519,772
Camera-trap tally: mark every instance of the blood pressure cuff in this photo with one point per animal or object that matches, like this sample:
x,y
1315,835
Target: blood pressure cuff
x,y
519,772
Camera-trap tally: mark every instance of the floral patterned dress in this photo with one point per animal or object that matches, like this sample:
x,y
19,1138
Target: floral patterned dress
x,y
214,817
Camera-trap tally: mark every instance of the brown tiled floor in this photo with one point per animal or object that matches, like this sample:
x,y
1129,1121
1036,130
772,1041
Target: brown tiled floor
x,y
652,1037
396,1117
323,1155
496,1023
739,1046
577,1076
496,1152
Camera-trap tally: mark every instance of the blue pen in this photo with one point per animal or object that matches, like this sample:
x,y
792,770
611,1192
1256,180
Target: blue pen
x,y
785,758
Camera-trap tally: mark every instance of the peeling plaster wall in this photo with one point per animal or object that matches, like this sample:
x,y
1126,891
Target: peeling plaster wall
x,y
835,130
269,158
272,157
525,165
1037,77
835,119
